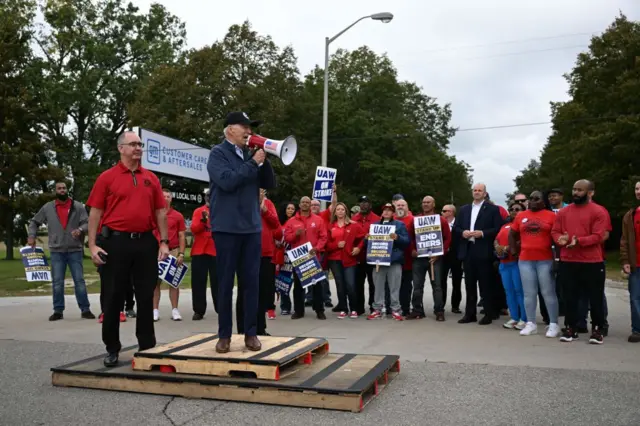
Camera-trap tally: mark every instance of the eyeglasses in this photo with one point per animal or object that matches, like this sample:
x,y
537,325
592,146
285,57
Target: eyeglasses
x,y
134,144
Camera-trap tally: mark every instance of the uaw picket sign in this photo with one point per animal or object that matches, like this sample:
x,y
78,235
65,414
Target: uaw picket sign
x,y
380,244
170,272
35,264
323,185
306,265
428,235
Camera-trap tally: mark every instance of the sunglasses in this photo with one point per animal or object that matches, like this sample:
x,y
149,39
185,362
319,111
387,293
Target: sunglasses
x,y
445,211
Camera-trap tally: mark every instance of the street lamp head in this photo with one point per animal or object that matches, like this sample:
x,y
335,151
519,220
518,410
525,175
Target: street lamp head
x,y
385,17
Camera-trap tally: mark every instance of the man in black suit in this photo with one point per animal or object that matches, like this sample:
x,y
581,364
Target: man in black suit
x,y
476,226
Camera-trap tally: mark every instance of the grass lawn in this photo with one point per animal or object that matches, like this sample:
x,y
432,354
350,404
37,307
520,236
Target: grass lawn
x,y
13,281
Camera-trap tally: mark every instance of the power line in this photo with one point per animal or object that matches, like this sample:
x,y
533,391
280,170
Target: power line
x,y
499,55
499,43
464,129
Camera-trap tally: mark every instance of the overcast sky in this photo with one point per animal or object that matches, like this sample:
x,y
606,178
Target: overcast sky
x,y
497,62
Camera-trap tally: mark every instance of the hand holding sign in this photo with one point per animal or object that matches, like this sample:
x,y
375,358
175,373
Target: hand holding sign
x,y
393,236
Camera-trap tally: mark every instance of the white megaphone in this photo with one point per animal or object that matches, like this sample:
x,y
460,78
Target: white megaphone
x,y
286,149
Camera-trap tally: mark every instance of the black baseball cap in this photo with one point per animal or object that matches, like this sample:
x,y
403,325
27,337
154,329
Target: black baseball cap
x,y
398,197
364,199
556,191
239,117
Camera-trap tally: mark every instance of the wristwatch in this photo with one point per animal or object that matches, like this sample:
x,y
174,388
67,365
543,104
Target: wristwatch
x,y
164,241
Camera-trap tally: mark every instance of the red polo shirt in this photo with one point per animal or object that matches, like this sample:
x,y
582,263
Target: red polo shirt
x,y
175,225
202,238
62,209
129,200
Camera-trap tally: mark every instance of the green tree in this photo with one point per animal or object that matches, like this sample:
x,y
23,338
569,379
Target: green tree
x,y
245,71
385,135
596,134
96,53
25,171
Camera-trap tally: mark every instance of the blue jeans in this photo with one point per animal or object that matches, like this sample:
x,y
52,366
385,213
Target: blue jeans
x,y
634,299
513,289
59,263
345,279
537,275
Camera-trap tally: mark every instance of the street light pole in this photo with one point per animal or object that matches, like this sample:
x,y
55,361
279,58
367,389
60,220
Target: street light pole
x,y
384,17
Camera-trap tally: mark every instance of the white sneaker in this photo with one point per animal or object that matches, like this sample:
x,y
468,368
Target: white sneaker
x,y
529,329
156,315
510,324
175,315
554,330
521,324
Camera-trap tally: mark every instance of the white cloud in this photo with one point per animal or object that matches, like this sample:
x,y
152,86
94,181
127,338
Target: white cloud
x,y
483,88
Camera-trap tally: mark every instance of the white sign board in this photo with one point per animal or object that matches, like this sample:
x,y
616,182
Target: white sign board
x,y
170,156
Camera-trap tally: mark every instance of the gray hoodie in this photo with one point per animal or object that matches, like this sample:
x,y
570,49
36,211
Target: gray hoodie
x,y
60,240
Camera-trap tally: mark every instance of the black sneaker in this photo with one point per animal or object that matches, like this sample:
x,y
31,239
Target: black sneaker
x,y
56,316
321,316
596,337
568,335
328,304
88,315
197,317
634,338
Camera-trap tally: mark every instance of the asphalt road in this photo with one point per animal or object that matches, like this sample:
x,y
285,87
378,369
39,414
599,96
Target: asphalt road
x,y
451,374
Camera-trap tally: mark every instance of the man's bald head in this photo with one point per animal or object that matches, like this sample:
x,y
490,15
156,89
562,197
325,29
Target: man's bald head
x,y
305,204
428,205
582,191
479,191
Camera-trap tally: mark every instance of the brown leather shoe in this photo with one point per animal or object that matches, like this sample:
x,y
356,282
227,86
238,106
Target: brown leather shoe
x,y
440,316
252,343
223,346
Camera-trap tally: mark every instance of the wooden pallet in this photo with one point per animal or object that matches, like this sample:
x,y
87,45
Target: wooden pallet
x,y
346,382
278,358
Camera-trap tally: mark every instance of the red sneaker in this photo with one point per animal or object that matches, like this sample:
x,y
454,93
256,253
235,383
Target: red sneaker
x,y
342,315
271,314
123,317
396,316
375,315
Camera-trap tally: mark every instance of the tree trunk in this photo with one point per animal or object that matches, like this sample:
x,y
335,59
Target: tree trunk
x,y
9,241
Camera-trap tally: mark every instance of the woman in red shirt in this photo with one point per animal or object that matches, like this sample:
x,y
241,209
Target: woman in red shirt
x,y
533,227
510,273
344,243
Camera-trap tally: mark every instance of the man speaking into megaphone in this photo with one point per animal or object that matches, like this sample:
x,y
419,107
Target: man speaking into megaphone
x,y
235,178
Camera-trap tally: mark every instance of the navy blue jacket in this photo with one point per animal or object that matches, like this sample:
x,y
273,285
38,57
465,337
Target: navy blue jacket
x,y
234,189
488,221
400,244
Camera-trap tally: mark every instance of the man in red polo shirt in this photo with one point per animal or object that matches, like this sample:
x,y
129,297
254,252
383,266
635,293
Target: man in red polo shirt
x,y
127,204
177,244
203,261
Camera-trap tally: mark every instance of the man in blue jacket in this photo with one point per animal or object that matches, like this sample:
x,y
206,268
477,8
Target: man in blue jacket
x,y
236,176
392,273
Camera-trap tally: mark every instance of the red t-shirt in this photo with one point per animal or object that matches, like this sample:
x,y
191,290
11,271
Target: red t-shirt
x,y
503,239
535,234
129,200
62,209
636,226
175,224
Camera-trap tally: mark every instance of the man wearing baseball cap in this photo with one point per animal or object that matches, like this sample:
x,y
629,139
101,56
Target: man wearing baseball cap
x,y
236,176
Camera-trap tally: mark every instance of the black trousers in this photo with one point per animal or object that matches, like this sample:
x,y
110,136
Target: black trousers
x,y
479,273
129,301
451,263
203,265
129,258
582,280
266,292
298,296
406,289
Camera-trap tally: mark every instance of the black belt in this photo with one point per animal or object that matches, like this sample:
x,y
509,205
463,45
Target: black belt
x,y
131,235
